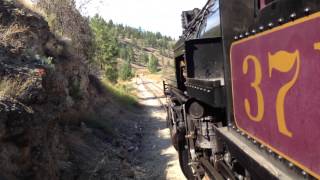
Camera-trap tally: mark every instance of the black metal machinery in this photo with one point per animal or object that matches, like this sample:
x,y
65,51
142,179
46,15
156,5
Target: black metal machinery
x,y
199,93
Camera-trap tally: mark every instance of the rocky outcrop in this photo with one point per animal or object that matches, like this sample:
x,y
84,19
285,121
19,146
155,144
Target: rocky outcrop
x,y
50,105
44,87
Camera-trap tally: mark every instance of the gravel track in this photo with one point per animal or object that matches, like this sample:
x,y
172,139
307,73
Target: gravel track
x,y
157,156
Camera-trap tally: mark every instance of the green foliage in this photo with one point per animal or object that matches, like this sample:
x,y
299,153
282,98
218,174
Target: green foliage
x,y
111,72
126,53
113,41
153,64
151,39
144,58
125,72
121,93
123,53
106,47
130,57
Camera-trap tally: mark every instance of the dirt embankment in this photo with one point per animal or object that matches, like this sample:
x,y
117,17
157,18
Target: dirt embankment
x,y
59,122
46,99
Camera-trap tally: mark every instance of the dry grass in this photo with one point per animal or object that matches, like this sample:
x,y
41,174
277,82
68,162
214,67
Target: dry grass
x,y
14,87
7,88
27,3
121,92
13,29
31,6
10,35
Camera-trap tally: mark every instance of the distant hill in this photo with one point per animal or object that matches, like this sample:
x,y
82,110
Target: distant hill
x,y
126,46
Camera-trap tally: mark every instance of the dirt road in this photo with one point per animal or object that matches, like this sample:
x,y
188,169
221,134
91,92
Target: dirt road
x,y
157,156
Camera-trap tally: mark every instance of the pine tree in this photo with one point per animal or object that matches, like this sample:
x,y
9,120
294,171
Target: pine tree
x,y
106,47
153,64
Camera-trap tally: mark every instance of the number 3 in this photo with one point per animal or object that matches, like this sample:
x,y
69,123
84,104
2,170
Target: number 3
x,y
256,86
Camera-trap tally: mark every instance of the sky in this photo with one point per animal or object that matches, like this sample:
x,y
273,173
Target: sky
x,y
162,16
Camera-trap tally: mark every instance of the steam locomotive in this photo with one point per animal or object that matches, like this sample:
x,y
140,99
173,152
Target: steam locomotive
x,y
242,96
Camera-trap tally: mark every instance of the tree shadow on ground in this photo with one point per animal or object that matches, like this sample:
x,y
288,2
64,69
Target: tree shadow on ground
x,y
157,158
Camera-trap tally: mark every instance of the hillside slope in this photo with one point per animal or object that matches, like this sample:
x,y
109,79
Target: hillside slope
x,y
48,106
124,45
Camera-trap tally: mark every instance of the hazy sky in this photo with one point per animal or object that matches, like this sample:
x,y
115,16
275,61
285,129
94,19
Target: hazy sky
x,y
153,15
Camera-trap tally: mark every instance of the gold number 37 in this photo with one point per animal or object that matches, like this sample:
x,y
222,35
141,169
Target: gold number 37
x,y
281,61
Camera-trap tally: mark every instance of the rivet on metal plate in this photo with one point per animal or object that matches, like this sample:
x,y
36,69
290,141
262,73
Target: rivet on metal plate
x,y
261,28
307,10
293,16
270,25
280,20
290,165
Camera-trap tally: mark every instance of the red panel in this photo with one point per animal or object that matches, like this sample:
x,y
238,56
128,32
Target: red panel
x,y
276,90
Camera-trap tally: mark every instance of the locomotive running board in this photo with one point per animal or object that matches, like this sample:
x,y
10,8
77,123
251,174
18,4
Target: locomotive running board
x,y
258,162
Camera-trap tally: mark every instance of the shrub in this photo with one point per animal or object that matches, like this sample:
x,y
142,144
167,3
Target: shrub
x,y
145,58
111,73
153,64
125,72
121,94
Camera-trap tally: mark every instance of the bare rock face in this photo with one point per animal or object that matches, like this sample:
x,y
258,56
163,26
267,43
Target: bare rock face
x,y
42,85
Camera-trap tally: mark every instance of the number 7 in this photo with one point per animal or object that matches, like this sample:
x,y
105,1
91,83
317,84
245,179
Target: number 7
x,y
284,61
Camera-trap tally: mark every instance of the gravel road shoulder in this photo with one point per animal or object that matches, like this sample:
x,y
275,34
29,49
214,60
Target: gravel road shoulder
x,y
158,157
